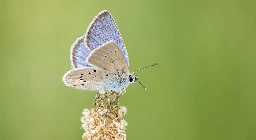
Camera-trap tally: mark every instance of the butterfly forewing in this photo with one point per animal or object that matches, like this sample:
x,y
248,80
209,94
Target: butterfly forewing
x,y
85,78
110,58
103,29
79,53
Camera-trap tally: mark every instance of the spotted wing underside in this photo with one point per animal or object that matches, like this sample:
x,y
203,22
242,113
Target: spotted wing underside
x,y
85,78
110,58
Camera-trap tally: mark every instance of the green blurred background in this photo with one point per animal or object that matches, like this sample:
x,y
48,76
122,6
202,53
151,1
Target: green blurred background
x,y
203,89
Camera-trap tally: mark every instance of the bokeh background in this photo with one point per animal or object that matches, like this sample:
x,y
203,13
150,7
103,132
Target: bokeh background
x,y
203,89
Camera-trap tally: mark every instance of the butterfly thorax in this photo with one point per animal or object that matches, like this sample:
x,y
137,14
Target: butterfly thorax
x,y
117,83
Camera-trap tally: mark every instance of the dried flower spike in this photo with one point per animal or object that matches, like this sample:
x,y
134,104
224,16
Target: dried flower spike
x,y
104,121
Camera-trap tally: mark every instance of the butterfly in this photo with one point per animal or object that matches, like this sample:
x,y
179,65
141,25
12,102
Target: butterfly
x,y
99,59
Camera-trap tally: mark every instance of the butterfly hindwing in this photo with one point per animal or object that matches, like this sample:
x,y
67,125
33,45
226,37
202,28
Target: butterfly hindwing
x,y
103,29
110,58
85,78
79,53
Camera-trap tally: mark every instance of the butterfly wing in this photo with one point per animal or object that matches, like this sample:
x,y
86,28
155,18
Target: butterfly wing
x,y
85,78
103,29
109,57
79,53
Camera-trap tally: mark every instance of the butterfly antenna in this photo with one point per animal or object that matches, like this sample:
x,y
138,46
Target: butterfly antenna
x,y
142,85
147,67
143,69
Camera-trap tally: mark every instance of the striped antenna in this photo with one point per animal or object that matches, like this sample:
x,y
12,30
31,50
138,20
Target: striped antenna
x,y
147,66
143,69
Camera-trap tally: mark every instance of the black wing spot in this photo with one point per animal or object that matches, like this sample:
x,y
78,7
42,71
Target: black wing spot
x,y
106,74
81,79
115,50
89,72
105,56
84,81
82,74
94,70
82,84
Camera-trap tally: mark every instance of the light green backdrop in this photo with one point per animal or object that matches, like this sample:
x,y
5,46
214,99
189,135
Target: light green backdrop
x,y
203,89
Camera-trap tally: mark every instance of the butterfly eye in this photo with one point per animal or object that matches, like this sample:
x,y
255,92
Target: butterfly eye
x,y
130,78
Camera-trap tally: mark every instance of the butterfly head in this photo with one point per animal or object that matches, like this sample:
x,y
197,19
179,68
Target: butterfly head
x,y
132,78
